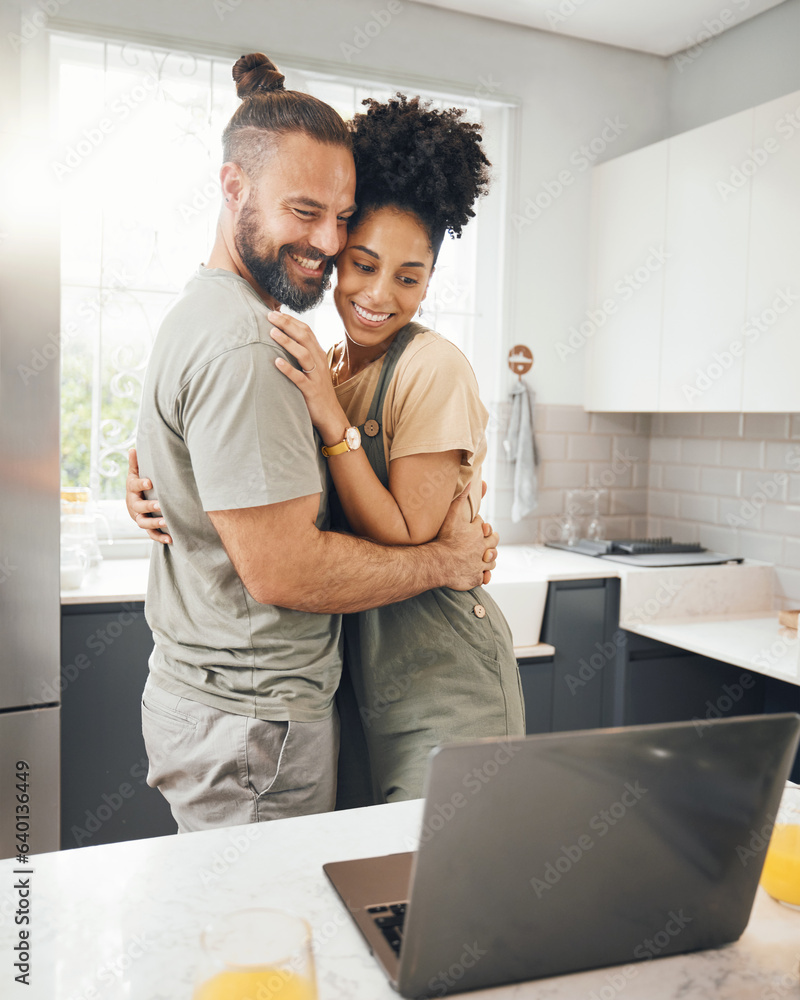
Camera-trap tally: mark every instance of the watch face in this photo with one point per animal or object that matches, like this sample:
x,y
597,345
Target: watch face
x,y
353,438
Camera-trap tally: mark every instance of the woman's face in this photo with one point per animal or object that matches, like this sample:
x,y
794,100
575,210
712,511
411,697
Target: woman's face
x,y
383,275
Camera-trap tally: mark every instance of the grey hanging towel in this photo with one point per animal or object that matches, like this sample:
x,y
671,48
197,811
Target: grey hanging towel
x,y
520,446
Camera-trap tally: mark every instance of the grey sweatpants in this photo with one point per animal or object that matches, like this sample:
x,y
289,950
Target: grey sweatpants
x,y
217,769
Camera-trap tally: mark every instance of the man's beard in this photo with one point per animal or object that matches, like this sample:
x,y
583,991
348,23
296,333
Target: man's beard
x,y
269,269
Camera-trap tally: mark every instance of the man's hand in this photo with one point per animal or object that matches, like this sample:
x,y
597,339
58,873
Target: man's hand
x,y
146,513
469,548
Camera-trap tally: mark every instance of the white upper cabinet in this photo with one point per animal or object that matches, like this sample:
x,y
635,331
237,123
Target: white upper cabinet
x,y
629,204
718,326
706,272
772,333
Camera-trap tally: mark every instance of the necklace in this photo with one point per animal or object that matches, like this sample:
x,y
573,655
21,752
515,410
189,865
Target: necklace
x,y
336,370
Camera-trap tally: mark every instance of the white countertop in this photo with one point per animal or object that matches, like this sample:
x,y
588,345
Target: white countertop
x,y
124,920
759,643
112,581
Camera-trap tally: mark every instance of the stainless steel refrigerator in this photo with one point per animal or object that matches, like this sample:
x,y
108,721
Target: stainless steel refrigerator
x,y
29,492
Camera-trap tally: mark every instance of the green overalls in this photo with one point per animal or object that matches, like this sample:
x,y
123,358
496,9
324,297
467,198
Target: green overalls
x,y
433,669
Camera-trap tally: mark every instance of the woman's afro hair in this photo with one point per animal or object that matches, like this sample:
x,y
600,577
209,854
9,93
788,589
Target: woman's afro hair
x,y
416,158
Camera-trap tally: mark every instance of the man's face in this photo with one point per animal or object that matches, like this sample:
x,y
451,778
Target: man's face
x,y
294,221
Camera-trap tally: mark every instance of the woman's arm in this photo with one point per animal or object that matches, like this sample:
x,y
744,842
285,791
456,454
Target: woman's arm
x,y
421,487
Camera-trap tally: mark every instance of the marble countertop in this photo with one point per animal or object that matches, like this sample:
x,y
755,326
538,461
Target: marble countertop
x,y
112,581
124,920
758,643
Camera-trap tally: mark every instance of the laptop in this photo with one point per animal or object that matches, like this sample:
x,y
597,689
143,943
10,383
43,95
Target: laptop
x,y
544,855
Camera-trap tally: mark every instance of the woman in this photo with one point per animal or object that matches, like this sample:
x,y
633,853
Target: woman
x,y
439,667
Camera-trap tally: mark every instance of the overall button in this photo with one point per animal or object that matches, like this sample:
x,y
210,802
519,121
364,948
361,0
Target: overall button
x,y
371,428
479,611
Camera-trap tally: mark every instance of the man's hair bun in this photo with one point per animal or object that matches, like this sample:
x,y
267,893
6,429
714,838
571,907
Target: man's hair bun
x,y
256,73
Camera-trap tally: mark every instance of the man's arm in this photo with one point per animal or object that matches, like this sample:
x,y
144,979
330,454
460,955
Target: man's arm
x,y
284,559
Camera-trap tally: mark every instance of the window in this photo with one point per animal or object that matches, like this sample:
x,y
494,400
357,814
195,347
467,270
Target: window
x,y
137,156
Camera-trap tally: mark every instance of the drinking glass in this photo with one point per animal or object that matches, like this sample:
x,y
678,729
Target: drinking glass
x,y
595,529
781,874
257,953
570,526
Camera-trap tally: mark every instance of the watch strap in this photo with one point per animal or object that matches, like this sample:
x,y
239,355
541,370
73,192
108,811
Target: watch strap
x,y
335,449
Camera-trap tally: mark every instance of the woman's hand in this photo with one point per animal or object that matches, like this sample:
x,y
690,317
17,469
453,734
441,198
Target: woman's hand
x,y
146,513
314,381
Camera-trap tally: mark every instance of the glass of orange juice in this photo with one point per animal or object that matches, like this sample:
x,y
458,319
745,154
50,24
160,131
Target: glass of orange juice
x,y
257,954
781,874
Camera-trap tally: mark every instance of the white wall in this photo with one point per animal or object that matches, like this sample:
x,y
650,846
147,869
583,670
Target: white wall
x,y
566,89
754,62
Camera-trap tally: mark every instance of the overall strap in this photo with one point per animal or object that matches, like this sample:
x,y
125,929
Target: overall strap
x,y
372,428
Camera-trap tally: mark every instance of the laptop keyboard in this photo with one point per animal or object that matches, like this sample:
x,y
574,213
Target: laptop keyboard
x,y
390,918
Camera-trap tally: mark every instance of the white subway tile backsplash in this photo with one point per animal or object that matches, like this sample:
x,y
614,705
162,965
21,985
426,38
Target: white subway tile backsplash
x,y
525,532
700,451
550,502
784,519
678,530
682,424
766,425
613,423
794,429
603,475
570,419
758,545
721,482
589,447
739,513
719,539
627,449
699,508
794,489
779,454
665,449
743,454
681,477
551,446
619,527
722,425
629,502
641,475
761,486
569,475
661,504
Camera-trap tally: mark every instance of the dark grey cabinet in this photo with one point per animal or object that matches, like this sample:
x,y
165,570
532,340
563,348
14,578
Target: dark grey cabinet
x,y
537,691
575,688
601,675
666,684
104,795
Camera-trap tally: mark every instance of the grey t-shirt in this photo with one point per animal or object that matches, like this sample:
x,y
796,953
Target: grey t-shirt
x,y
220,428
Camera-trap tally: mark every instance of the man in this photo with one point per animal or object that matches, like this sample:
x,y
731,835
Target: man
x,y
237,711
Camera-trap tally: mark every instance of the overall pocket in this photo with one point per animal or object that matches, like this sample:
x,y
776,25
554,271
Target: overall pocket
x,y
469,618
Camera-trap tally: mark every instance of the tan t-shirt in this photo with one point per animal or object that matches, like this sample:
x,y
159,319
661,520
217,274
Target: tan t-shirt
x,y
432,405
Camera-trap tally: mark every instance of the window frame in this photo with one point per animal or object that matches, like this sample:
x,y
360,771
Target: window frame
x,y
491,310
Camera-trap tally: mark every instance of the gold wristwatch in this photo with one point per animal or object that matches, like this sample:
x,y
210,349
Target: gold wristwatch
x,y
352,440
